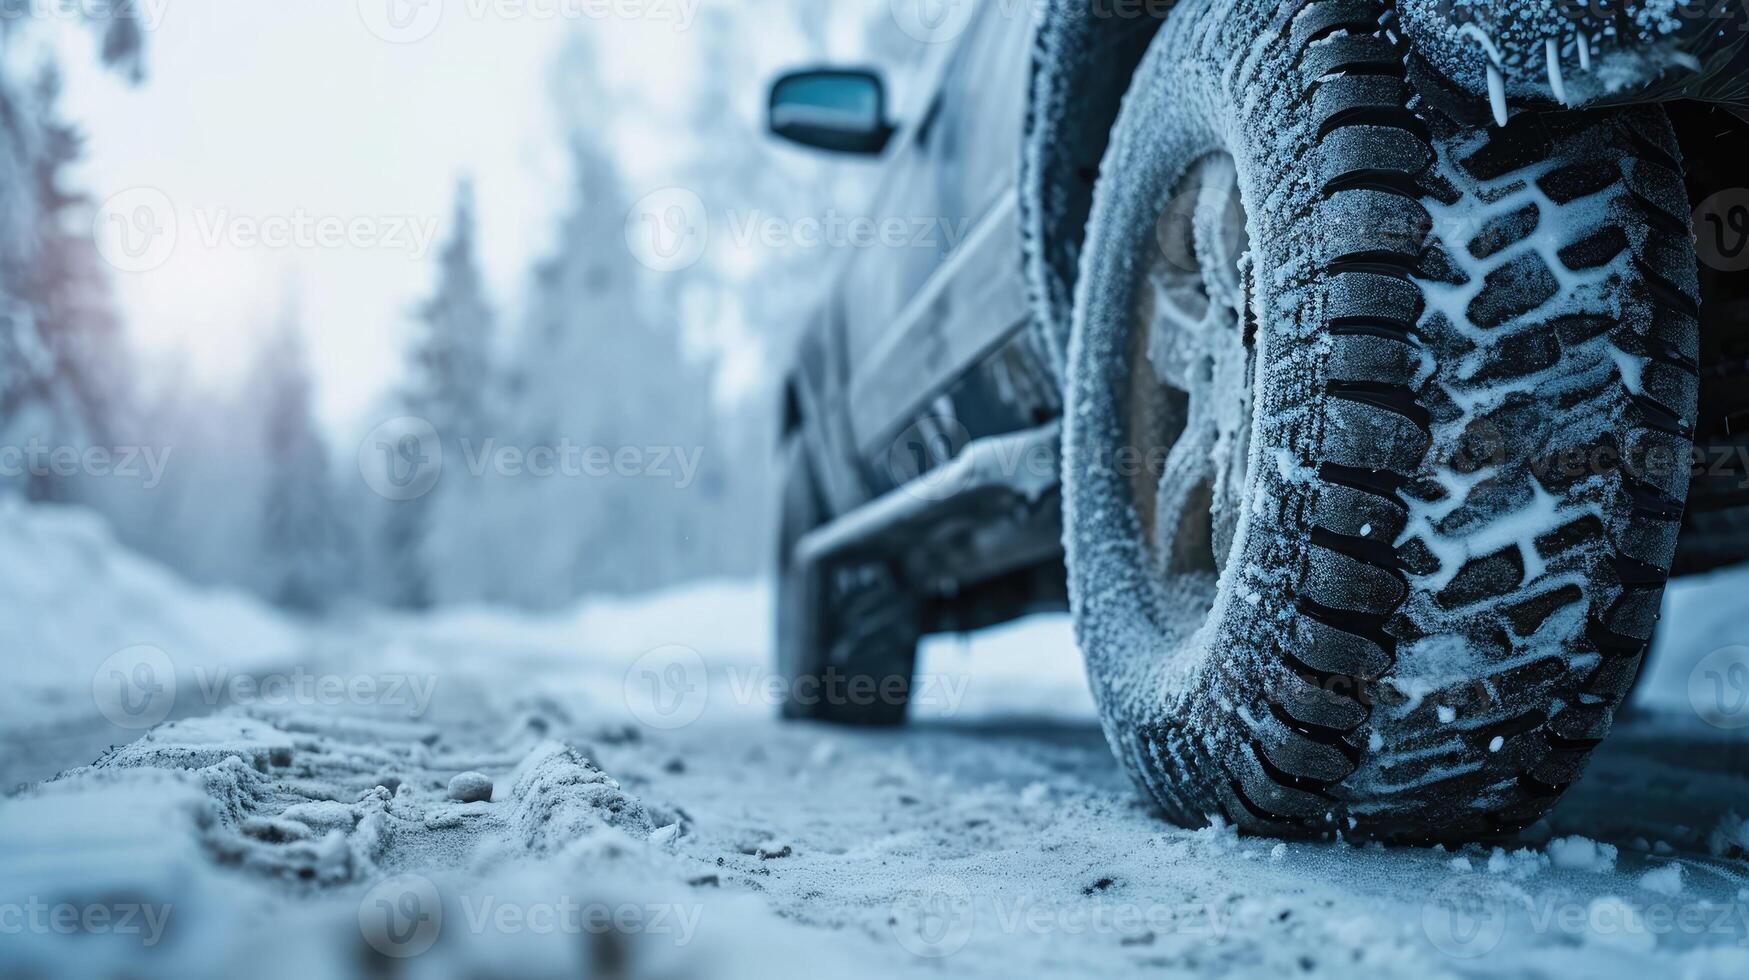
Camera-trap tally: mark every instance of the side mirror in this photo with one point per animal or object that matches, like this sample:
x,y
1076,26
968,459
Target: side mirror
x,y
839,110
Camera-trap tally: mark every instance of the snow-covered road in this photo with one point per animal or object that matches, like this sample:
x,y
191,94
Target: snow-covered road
x,y
294,814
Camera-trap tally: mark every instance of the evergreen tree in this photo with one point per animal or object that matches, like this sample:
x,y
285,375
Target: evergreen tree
x,y
302,538
452,355
69,289
449,385
58,350
67,379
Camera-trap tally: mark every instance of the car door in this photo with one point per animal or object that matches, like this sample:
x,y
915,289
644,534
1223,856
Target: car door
x,y
945,286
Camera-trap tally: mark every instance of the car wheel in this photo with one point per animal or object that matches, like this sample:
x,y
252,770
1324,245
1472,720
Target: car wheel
x,y
847,631
1378,430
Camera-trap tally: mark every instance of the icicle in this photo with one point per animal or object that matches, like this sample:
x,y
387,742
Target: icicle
x,y
1585,52
1497,93
1496,81
1556,81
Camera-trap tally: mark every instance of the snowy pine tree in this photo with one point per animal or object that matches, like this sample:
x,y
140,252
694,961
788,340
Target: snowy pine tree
x,y
449,385
601,364
21,357
85,391
303,541
65,359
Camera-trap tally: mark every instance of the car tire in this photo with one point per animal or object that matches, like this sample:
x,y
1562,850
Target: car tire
x,y
1369,512
847,631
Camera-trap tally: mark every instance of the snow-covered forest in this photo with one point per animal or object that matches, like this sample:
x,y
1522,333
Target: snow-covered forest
x,y
606,428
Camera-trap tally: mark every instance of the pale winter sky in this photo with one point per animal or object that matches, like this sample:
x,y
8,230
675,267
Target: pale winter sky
x,y
267,124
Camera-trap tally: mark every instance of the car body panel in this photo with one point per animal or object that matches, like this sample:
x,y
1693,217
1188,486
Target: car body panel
x,y
906,321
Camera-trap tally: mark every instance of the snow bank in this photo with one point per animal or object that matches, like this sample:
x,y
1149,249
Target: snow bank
x,y
1701,615
1030,668
72,598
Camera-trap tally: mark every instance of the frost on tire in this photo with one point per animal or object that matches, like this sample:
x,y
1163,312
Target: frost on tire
x,y
1430,554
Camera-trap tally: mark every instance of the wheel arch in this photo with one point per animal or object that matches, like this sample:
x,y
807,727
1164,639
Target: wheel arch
x,y
1082,62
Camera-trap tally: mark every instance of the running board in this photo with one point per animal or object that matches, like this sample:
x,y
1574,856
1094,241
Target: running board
x,y
990,478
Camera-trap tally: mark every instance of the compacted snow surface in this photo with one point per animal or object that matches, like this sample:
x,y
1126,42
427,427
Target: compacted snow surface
x,y
607,792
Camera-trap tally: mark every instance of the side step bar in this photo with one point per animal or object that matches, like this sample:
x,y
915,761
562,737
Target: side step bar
x,y
991,477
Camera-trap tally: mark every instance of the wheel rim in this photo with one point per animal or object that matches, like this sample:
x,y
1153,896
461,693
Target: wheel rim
x,y
1191,372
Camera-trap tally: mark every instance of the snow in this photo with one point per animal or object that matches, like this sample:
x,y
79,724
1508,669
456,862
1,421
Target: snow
x,y
1581,854
279,839
1666,881
76,607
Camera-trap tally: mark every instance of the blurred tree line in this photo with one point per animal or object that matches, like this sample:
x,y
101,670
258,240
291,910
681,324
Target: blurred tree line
x,y
603,353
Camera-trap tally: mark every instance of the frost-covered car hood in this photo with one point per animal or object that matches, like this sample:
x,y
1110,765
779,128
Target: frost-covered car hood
x,y
1586,52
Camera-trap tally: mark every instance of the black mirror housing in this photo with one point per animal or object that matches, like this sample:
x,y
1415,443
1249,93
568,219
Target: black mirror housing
x,y
840,110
